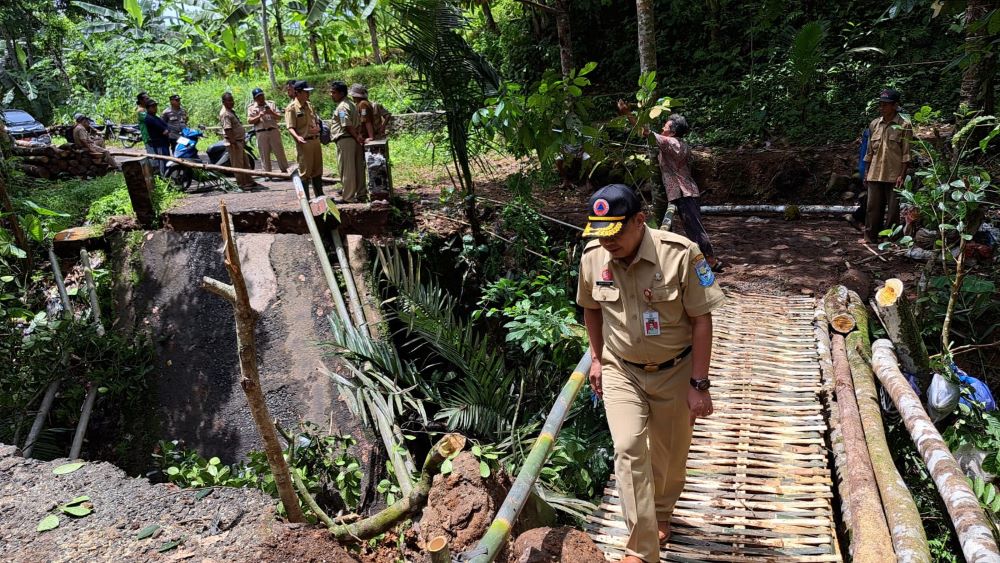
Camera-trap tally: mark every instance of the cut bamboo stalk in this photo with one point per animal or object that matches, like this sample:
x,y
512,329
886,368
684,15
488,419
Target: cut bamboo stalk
x,y
246,344
95,306
901,514
835,306
496,535
971,524
870,539
88,402
897,317
859,312
352,288
203,166
438,550
748,209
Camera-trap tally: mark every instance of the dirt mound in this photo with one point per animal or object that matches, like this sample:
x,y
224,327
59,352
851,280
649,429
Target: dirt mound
x,y
552,545
294,542
461,505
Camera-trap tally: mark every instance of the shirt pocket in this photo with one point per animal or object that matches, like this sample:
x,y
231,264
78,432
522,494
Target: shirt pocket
x,y
666,300
894,135
610,300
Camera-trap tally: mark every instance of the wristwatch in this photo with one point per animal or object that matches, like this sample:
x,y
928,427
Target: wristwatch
x,y
702,384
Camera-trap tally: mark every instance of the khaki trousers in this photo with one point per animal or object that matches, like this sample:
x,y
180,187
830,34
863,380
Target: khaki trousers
x,y
238,159
880,196
269,142
310,158
649,420
351,158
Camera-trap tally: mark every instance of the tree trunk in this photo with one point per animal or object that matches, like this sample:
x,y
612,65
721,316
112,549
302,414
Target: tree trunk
x,y
894,310
326,54
373,31
491,23
977,80
267,44
870,540
565,38
9,218
901,514
971,524
312,38
835,305
646,19
277,22
246,343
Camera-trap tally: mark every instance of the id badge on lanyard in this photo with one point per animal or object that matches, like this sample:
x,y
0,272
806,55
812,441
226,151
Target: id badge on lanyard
x,y
650,318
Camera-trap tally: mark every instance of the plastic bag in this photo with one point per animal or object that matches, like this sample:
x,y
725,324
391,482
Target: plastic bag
x,y
942,396
979,390
378,173
970,459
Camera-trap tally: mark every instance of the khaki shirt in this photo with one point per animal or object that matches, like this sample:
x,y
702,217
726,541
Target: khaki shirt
x,y
888,148
301,119
346,115
267,121
176,121
81,138
232,127
669,275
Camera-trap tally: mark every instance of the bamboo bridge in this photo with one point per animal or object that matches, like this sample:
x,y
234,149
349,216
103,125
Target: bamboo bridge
x,y
759,484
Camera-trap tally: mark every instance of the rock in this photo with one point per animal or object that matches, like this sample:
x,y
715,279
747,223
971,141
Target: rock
x,y
461,505
838,183
552,545
847,196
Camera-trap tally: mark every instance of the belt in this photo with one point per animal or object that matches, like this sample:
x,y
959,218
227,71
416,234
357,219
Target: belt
x,y
344,136
268,129
660,367
311,138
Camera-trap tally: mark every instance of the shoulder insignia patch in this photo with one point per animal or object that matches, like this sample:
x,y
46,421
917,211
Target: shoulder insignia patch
x,y
592,245
706,276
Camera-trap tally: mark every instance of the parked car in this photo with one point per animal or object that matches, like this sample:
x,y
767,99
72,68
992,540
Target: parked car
x,y
21,126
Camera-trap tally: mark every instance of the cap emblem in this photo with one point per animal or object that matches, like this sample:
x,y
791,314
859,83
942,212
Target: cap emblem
x,y
601,207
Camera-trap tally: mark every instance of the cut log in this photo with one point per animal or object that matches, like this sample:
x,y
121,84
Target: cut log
x,y
821,329
858,281
907,529
971,524
870,539
859,311
780,209
203,166
36,171
897,317
835,306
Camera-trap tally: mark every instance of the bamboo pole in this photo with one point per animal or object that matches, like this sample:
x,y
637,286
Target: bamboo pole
x,y
53,389
203,166
971,524
870,539
324,259
352,288
901,514
835,305
490,545
246,319
897,317
384,520
88,402
821,330
437,548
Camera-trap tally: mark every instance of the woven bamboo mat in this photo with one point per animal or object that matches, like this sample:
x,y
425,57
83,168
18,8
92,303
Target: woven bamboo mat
x,y
758,485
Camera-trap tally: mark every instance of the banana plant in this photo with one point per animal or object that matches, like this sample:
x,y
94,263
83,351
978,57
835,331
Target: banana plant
x,y
141,19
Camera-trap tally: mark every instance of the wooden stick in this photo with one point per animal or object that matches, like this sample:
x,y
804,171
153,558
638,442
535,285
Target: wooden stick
x,y
894,310
88,402
835,305
438,550
870,539
971,524
203,166
877,255
246,343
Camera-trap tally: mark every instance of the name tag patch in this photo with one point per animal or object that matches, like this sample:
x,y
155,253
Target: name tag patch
x,y
706,276
651,323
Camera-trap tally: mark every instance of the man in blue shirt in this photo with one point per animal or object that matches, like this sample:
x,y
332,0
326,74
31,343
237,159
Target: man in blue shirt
x,y
159,135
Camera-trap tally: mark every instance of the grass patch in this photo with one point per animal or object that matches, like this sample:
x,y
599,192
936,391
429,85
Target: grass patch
x,y
118,202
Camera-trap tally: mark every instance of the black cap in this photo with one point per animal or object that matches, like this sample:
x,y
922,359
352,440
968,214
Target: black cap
x,y
175,97
610,207
257,92
302,86
151,102
889,95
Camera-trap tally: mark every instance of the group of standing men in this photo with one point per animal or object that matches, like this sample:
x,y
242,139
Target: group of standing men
x,y
356,120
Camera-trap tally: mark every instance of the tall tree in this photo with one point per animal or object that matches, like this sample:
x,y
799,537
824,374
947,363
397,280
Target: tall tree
x,y
373,31
312,35
978,78
647,35
267,44
565,37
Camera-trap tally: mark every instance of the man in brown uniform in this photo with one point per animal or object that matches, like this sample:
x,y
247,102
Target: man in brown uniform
x,y
303,126
888,159
647,297
366,112
82,139
264,116
345,130
235,137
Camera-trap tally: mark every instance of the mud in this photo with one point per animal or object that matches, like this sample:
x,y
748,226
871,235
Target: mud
x,y
553,545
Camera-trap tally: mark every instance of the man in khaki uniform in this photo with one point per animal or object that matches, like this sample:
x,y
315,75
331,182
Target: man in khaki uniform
x,y
888,159
82,139
345,130
264,116
303,126
647,297
235,137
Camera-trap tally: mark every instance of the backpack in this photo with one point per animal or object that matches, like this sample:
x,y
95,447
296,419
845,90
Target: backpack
x,y
324,133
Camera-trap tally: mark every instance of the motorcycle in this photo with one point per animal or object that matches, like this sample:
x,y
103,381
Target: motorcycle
x,y
127,135
219,154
